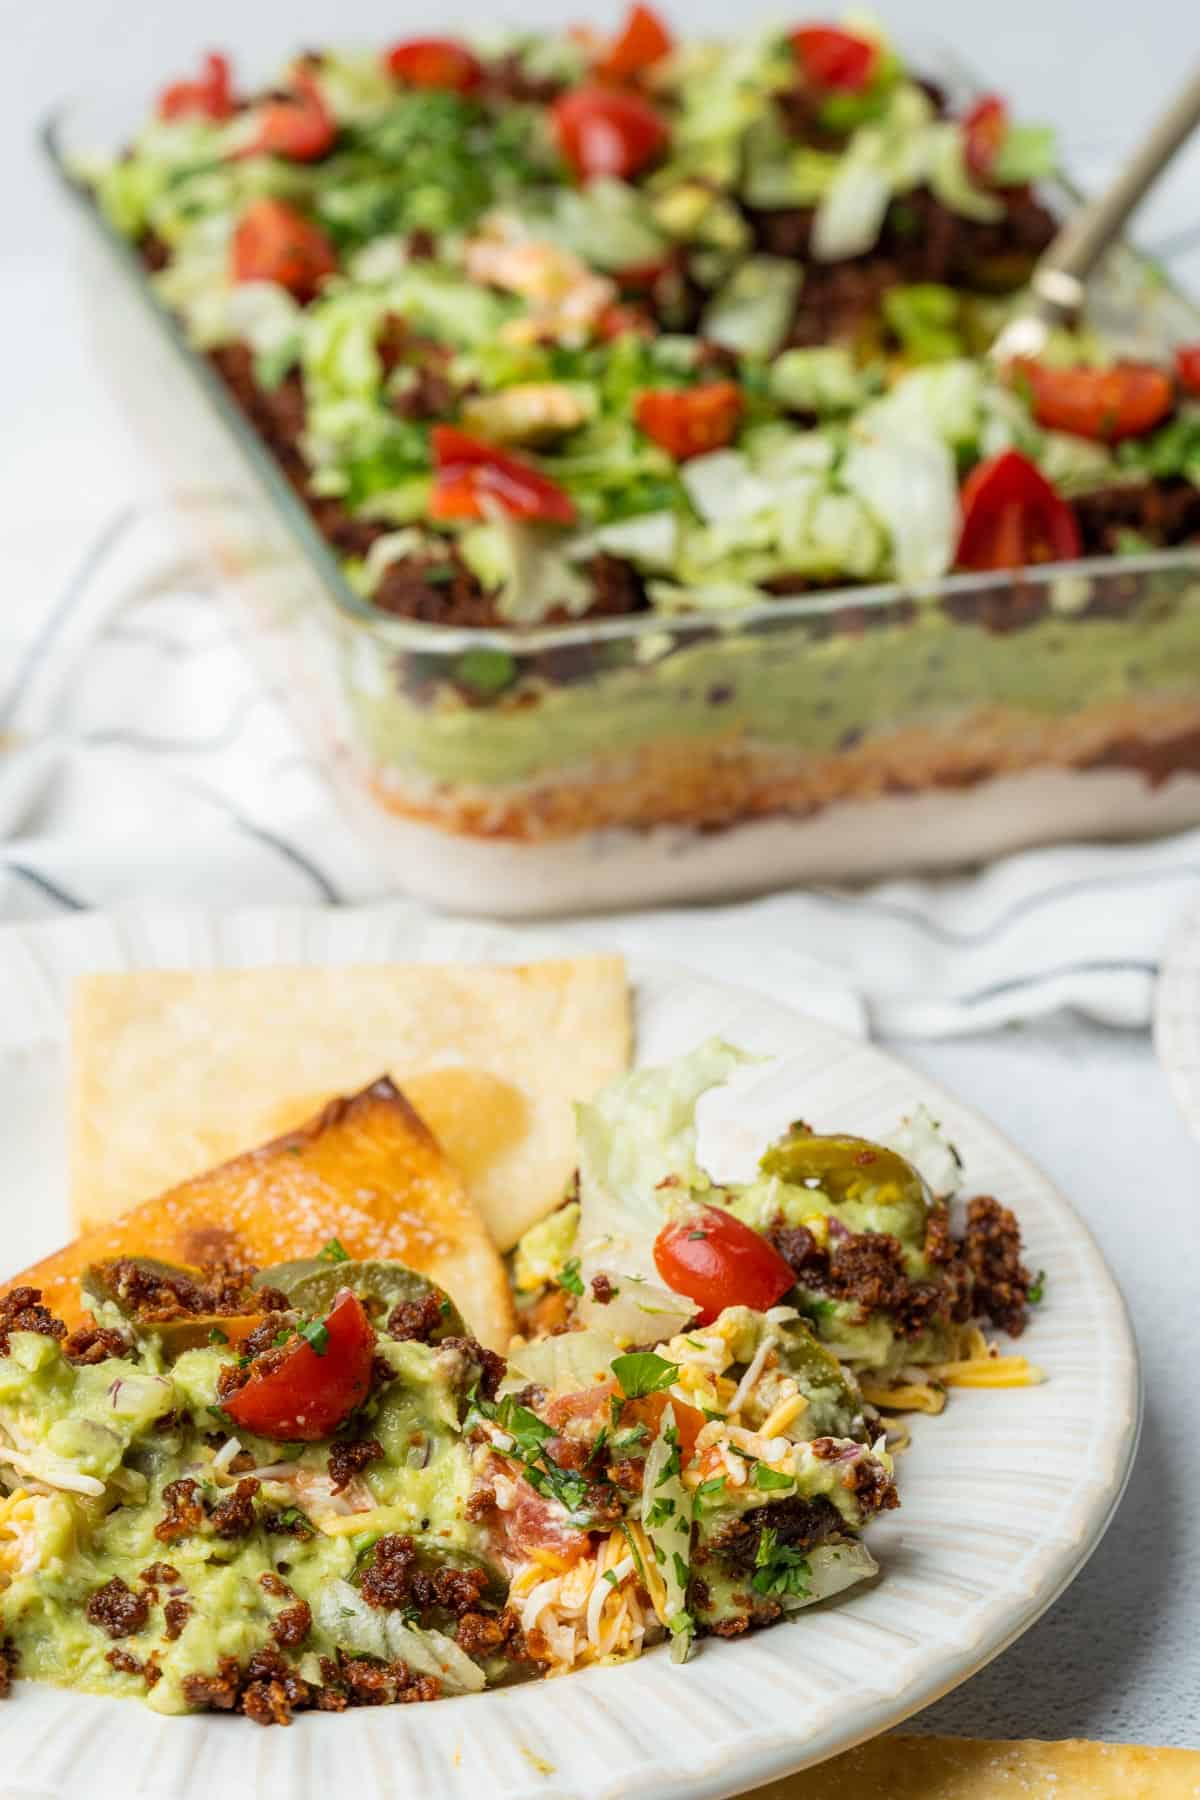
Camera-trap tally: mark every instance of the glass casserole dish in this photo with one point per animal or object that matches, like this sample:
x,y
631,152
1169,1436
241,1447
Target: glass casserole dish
x,y
827,735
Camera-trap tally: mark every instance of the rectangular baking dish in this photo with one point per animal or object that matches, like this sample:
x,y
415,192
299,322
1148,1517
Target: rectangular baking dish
x,y
823,737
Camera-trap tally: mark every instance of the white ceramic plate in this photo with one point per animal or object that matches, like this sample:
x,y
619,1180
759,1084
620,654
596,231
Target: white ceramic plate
x,y
1004,1496
1177,1016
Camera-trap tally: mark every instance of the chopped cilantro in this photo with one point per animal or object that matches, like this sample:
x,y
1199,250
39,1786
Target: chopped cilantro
x,y
710,1413
636,1554
527,1431
217,1336
713,1485
610,1575
778,1569
529,1436
629,1439
292,1519
643,1372
680,1567
771,1478
660,1511
570,1278
315,1335
334,1252
1037,1289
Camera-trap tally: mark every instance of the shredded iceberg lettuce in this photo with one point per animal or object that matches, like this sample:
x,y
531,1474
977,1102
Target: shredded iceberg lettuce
x,y
639,1133
908,483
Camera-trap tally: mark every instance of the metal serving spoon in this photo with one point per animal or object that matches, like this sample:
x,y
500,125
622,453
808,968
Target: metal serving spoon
x,y
1056,286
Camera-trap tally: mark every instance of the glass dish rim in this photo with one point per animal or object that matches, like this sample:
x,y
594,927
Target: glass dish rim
x,y
429,637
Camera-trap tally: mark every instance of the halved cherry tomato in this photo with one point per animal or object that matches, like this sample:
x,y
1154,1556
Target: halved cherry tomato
x,y
619,320
300,128
306,1396
1012,516
689,421
835,60
469,473
601,131
1187,367
273,242
717,1261
985,128
640,278
211,97
435,63
1108,404
534,1530
648,1411
642,41
595,1403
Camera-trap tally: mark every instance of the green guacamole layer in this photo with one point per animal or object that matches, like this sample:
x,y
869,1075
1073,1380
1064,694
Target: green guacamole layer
x,y
784,692
129,1431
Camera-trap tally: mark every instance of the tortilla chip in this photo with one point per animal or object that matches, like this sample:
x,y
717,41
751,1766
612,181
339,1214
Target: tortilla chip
x,y
366,1170
931,1768
175,1071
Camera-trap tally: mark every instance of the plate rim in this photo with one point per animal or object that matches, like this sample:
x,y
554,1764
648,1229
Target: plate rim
x,y
732,1765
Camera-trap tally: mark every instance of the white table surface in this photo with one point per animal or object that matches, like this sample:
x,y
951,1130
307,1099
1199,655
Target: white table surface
x,y
1117,1656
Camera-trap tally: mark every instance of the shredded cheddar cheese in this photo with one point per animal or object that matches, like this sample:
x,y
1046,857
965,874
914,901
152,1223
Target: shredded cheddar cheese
x,y
783,1415
594,1611
909,1396
18,1534
990,1372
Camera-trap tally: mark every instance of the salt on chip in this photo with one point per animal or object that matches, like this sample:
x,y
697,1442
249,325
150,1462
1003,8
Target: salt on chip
x,y
365,1171
175,1071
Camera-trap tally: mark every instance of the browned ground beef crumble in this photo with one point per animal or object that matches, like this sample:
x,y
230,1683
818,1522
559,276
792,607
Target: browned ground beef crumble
x,y
993,1253
176,1614
21,1309
491,1367
292,1625
156,1297
415,1321
346,1460
981,1275
234,1516
159,1574
269,1691
95,1344
185,1512
116,1609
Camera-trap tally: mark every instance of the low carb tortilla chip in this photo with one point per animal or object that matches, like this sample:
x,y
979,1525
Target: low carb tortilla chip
x,y
931,1768
366,1170
177,1070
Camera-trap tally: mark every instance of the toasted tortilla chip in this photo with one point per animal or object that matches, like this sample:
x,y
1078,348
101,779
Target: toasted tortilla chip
x,y
931,1768
366,1170
175,1071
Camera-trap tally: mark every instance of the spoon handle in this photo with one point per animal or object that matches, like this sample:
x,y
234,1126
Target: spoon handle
x,y
1089,232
